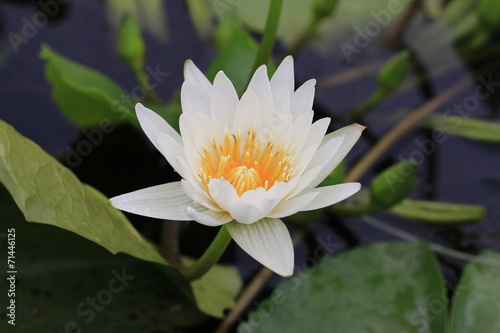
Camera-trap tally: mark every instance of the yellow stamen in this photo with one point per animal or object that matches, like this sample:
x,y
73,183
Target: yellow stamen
x,y
245,163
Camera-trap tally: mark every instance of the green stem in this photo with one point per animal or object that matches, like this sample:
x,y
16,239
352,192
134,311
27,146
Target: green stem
x,y
366,106
267,43
210,257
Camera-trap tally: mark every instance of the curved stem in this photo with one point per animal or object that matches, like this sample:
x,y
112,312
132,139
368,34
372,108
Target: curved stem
x,y
267,43
210,257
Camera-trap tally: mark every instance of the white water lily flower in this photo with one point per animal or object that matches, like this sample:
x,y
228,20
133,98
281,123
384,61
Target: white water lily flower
x,y
245,162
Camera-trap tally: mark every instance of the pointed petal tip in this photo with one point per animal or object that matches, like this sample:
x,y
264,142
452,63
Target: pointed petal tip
x,y
361,127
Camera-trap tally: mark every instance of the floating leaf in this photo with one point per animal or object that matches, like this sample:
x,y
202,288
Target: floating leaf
x,y
216,290
470,128
438,212
377,288
86,97
47,192
476,307
68,284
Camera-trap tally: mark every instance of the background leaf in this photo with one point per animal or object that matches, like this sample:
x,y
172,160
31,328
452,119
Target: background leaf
x,y
47,192
376,288
216,290
476,307
85,96
65,281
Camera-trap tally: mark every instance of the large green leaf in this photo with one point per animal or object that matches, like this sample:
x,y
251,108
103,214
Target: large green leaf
x,y
86,97
47,192
236,59
215,291
66,283
476,303
469,128
376,288
438,212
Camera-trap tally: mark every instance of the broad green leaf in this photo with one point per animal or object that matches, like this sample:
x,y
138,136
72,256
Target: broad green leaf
x,y
236,60
376,288
394,184
474,129
216,290
47,192
438,212
86,97
476,306
66,282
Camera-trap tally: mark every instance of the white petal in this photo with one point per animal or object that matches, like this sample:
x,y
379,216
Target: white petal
x,y
194,100
193,75
167,201
310,146
352,134
329,195
267,241
284,76
304,180
326,152
153,123
260,85
256,204
248,112
292,206
222,192
224,102
209,217
196,129
198,196
169,148
302,98
300,131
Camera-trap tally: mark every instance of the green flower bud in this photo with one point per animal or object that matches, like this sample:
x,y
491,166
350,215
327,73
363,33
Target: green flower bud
x,y
131,46
324,8
394,184
393,73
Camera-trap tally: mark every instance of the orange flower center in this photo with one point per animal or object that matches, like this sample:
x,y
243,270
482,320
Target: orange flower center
x,y
245,163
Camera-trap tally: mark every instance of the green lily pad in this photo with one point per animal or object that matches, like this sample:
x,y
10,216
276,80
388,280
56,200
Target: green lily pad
x,y
67,284
476,306
376,288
